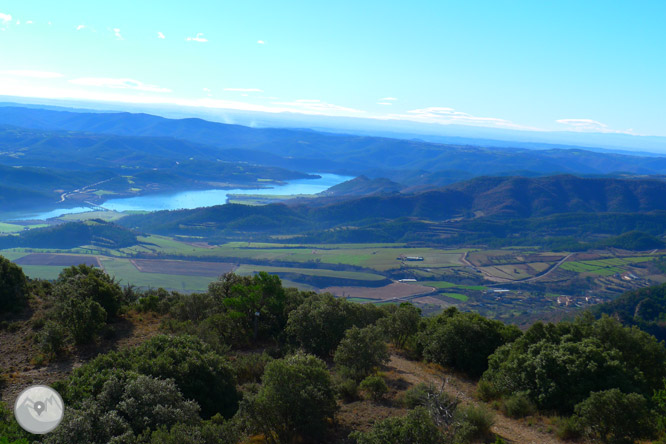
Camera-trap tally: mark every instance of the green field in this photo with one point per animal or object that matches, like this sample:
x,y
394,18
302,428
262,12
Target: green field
x,y
127,273
460,297
359,276
48,272
10,228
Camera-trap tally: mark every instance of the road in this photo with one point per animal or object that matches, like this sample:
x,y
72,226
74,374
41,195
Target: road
x,y
464,260
64,195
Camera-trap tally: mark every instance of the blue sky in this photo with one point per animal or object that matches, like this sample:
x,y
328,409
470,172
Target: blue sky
x,y
541,65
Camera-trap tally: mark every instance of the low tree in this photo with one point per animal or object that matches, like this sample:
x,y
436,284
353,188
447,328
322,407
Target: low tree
x,y
83,318
296,400
402,323
613,417
86,282
464,341
319,324
127,406
199,373
13,286
361,351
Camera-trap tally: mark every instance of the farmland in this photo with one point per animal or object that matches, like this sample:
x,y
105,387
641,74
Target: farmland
x,y
511,283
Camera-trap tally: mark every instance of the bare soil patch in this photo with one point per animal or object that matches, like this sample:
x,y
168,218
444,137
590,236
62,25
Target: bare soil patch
x,y
395,290
185,268
58,259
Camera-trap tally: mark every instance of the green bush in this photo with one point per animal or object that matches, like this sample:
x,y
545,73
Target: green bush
x,y
250,367
52,339
10,431
486,390
319,324
569,428
559,365
296,400
361,351
464,341
518,405
416,427
13,286
84,319
89,283
473,423
347,389
402,323
208,432
128,405
374,386
415,396
611,416
199,373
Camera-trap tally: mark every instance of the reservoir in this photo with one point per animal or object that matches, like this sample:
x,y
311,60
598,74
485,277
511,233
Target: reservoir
x,y
199,198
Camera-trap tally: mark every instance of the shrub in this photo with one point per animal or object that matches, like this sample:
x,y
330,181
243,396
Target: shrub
x,y
319,324
402,323
347,389
375,387
415,396
473,423
13,286
52,339
199,373
518,405
84,319
464,341
416,427
486,390
361,351
128,405
296,399
250,367
559,365
569,428
89,283
615,417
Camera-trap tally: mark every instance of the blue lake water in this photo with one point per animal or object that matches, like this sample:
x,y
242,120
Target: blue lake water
x,y
199,198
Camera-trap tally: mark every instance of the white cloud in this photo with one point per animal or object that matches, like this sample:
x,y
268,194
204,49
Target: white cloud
x,y
198,38
119,84
583,124
80,27
29,22
589,125
448,116
384,103
386,99
315,106
33,74
5,18
160,36
207,89
18,22
116,32
245,90
261,42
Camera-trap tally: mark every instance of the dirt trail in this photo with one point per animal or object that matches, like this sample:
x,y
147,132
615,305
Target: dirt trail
x,y
512,430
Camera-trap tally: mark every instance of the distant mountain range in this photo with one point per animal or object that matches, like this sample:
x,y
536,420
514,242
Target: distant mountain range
x,y
399,129
48,150
486,197
305,150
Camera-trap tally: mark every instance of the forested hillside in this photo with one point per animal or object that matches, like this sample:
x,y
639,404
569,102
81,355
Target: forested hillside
x,y
252,361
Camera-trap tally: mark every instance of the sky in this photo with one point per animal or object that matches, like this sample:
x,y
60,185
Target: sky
x,y
597,66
